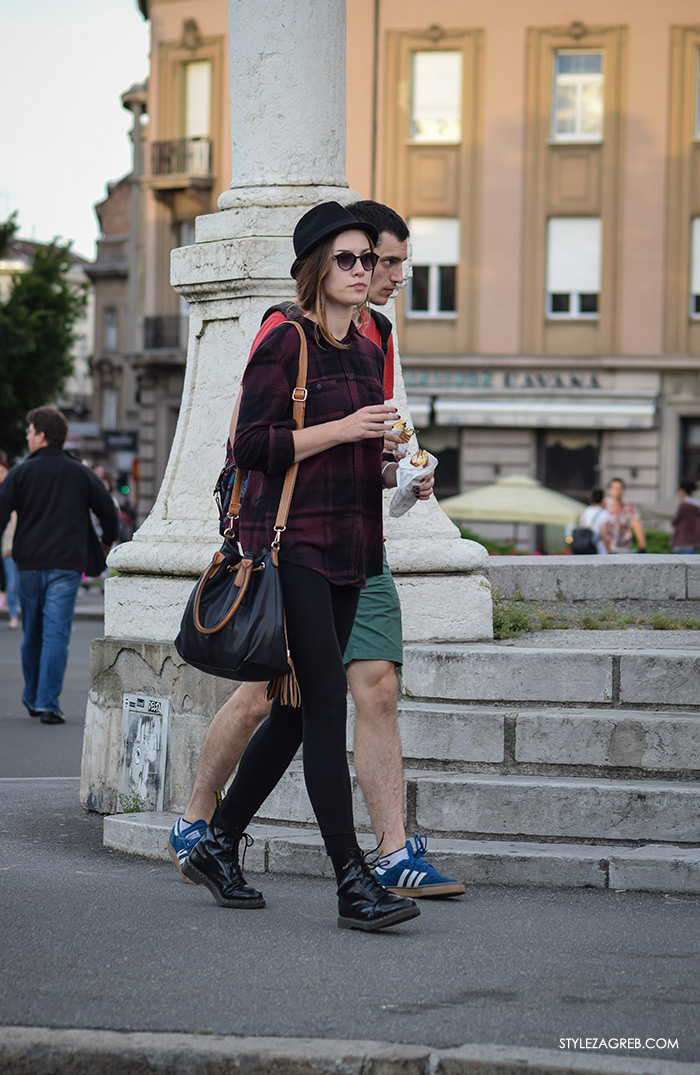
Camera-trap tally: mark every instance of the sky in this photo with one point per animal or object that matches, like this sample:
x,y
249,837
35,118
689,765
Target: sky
x,y
63,130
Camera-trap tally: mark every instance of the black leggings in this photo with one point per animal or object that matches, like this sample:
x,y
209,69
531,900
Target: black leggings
x,y
320,616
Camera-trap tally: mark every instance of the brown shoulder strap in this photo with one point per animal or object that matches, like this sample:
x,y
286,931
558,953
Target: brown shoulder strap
x,y
299,395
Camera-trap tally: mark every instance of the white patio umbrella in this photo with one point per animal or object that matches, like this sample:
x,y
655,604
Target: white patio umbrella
x,y
515,498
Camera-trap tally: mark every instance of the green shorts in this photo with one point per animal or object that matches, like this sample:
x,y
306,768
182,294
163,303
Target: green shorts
x,y
377,633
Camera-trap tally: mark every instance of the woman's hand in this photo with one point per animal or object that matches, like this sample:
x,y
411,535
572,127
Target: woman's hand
x,y
361,425
425,490
368,422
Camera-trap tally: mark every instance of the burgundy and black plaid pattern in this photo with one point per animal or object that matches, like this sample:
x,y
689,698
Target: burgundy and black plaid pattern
x,y
335,520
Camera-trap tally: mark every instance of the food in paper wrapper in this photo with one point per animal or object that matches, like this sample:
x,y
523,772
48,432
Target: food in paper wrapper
x,y
404,432
409,474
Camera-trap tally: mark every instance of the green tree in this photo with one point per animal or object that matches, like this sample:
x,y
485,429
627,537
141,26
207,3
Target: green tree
x,y
7,233
36,334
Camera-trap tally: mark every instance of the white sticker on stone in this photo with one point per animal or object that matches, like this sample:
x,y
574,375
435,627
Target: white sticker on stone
x,y
143,753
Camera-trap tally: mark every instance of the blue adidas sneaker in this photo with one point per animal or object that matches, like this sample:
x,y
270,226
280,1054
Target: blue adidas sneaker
x,y
182,839
414,876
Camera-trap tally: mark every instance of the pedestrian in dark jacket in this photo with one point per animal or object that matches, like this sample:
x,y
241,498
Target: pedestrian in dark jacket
x,y
53,494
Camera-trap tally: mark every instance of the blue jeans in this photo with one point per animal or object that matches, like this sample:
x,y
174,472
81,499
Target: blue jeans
x,y
11,586
47,599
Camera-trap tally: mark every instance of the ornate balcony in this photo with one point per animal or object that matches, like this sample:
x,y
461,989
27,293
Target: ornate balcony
x,y
182,176
184,157
167,332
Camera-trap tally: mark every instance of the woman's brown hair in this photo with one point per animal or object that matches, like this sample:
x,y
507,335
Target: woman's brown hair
x,y
310,293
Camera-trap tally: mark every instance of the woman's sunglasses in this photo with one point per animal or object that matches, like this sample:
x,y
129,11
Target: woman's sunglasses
x,y
346,260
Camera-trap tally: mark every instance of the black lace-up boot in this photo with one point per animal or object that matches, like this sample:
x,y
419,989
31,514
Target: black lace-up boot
x,y
362,902
213,862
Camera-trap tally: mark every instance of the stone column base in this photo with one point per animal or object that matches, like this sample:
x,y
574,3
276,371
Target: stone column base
x,y
129,666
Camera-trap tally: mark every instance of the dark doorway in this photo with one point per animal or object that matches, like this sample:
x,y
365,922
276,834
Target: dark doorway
x,y
443,442
690,449
567,461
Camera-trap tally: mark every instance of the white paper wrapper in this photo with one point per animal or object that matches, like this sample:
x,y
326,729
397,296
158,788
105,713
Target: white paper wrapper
x,y
407,478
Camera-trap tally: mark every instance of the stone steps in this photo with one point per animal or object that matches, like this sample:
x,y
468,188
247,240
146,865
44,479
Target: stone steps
x,y
637,674
591,578
457,736
284,849
486,805
557,807
543,761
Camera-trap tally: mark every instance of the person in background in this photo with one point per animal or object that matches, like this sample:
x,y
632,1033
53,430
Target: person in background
x,y
596,518
686,521
11,582
53,494
624,520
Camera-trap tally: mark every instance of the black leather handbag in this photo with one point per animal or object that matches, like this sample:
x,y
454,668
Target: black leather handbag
x,y
234,624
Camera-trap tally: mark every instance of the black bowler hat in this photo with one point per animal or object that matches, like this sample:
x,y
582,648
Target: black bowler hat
x,y
323,222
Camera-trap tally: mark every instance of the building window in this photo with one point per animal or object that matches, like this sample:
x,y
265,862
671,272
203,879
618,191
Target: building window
x,y
577,104
574,247
197,111
695,268
110,402
432,290
111,325
436,98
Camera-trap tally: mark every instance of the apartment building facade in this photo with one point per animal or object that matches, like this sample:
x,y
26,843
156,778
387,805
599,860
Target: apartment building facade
x,y
546,155
547,158
182,162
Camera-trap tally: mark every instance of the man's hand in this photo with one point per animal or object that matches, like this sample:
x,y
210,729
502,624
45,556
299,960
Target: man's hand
x,y
392,440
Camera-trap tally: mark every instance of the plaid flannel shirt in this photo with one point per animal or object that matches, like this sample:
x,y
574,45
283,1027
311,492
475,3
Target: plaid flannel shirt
x,y
335,519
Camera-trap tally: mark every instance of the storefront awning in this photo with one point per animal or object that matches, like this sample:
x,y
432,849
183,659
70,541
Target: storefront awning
x,y
420,412
546,413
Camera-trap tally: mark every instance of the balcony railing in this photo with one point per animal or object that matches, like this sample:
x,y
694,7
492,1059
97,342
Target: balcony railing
x,y
182,156
168,332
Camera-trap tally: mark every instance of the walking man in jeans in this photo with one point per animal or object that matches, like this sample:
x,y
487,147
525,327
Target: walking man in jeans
x,y
53,494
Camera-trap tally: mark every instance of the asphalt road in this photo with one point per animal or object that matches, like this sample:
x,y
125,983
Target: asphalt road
x,y
93,938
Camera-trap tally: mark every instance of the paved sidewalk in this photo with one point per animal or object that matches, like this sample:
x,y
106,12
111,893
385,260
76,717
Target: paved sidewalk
x,y
114,943
111,965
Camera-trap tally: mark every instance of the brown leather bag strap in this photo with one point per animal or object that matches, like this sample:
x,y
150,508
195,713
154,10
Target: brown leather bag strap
x,y
243,576
299,395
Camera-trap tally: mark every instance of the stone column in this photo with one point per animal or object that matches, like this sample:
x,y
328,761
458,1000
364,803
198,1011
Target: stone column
x,y
442,579
288,139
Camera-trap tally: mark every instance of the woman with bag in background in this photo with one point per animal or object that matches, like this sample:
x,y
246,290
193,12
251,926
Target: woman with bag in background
x,y
331,544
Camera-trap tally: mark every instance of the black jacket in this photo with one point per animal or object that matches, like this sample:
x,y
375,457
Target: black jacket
x,y
53,494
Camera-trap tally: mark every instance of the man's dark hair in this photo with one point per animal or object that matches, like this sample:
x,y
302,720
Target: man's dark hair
x,y
620,480
51,422
597,495
688,486
383,218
